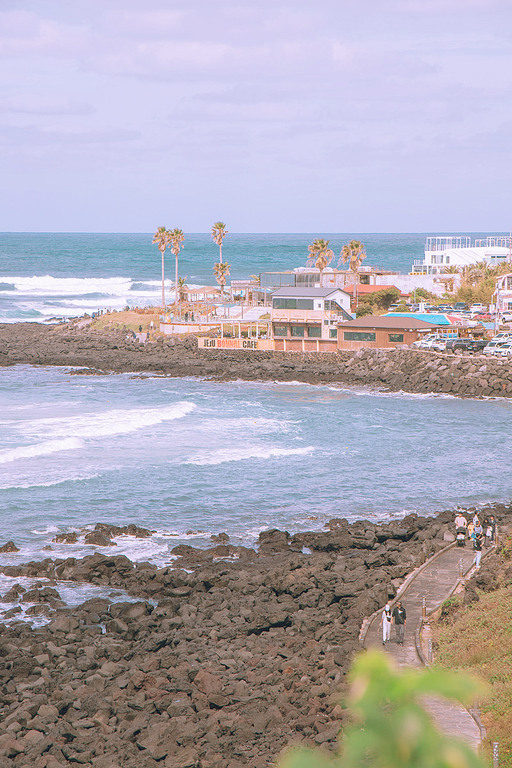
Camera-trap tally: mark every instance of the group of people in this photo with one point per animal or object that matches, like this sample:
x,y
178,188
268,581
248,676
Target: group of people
x,y
396,616
480,534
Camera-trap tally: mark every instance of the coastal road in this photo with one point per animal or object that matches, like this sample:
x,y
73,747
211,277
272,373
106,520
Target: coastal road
x,y
435,582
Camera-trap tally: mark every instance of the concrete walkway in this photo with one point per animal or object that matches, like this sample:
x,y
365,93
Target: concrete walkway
x,y
434,582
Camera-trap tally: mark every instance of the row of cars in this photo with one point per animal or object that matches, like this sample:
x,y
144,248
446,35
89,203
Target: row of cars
x,y
478,312
500,345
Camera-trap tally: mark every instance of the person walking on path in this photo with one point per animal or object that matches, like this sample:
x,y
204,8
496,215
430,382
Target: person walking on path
x,y
477,548
490,531
385,622
399,618
460,521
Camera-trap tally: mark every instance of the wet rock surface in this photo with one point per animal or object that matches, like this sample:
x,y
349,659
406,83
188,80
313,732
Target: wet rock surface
x,y
227,656
409,370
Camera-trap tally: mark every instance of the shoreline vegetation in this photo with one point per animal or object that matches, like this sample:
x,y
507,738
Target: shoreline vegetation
x,y
109,350
227,657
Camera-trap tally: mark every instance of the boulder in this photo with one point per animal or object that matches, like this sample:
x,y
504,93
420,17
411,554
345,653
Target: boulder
x,y
10,546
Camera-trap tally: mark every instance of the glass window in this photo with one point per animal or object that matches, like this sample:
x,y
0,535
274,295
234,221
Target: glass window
x,y
333,333
314,331
284,303
395,336
278,303
280,330
297,330
359,336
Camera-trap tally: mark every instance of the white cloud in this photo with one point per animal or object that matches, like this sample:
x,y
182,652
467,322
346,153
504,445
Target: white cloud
x,y
34,104
24,33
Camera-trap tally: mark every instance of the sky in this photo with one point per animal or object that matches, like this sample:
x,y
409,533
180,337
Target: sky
x,y
275,116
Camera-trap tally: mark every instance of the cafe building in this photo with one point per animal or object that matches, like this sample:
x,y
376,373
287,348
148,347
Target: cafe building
x,y
306,319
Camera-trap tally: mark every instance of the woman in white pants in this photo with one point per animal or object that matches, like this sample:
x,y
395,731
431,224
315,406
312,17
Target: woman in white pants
x,y
385,622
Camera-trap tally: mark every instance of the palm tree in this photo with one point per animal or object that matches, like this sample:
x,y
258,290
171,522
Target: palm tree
x,y
320,255
182,288
353,254
221,272
177,237
162,238
219,232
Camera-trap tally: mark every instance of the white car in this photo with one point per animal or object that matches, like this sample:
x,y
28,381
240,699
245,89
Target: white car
x,y
505,317
494,347
505,349
431,341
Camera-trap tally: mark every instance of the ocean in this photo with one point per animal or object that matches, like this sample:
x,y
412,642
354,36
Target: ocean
x,y
189,458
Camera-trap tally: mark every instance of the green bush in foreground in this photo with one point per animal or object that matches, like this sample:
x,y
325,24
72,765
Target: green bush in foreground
x,y
390,728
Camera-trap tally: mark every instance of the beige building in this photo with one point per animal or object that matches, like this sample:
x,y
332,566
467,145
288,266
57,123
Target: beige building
x,y
307,318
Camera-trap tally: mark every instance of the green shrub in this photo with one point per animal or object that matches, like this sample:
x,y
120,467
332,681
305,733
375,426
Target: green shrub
x,y
390,728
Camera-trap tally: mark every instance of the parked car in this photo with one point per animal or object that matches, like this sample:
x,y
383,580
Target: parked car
x,y
478,307
494,346
466,345
460,305
505,349
506,317
431,341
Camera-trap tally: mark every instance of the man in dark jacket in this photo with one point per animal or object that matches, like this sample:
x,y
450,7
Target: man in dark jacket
x,y
399,617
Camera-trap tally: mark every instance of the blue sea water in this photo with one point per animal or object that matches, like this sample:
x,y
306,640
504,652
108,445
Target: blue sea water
x,y
189,458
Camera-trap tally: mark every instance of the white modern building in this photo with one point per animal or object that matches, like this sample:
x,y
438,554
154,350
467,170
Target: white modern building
x,y
442,251
503,293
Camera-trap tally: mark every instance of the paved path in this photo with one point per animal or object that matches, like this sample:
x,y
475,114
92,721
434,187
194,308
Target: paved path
x,y
434,583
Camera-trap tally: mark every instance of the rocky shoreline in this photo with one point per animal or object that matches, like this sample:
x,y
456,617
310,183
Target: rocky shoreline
x,y
225,658
409,370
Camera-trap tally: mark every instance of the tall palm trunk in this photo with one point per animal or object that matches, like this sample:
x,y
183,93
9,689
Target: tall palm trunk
x,y
163,283
176,292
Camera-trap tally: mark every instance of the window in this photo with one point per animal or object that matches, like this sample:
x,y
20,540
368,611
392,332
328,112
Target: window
x,y
359,336
278,303
332,305
280,330
298,330
333,333
395,336
314,331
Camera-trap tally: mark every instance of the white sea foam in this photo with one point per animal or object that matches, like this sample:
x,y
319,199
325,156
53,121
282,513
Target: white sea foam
x,y
25,482
244,454
108,423
40,449
48,529
68,286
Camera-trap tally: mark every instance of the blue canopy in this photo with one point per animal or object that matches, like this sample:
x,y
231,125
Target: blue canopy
x,y
436,319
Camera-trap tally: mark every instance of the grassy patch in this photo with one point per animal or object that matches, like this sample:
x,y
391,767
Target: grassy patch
x,y
478,639
129,320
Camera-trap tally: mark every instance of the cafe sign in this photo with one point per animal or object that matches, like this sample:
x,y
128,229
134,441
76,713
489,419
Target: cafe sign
x,y
229,343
